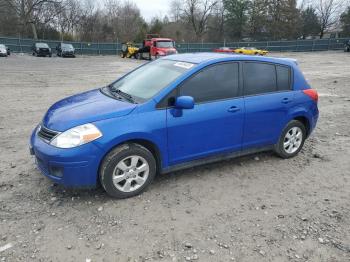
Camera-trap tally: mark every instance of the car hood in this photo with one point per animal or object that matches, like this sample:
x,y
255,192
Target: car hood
x,y
84,108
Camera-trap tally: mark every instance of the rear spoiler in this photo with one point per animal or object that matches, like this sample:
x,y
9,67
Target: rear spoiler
x,y
291,60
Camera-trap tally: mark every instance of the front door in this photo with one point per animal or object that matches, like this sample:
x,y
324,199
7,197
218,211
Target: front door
x,y
215,123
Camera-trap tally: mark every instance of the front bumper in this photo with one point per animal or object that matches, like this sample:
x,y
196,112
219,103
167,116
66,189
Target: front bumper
x,y
74,167
68,53
43,53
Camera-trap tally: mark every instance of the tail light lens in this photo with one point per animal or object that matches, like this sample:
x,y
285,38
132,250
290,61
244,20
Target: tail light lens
x,y
312,93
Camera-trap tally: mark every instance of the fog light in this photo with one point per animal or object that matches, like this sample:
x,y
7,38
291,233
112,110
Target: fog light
x,y
56,171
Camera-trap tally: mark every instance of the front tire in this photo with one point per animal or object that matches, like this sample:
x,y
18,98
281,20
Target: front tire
x,y
291,140
127,170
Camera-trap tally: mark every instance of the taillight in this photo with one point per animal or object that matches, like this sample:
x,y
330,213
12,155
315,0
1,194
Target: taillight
x,y
312,93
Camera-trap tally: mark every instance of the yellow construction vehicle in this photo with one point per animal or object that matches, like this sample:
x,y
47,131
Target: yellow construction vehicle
x,y
129,50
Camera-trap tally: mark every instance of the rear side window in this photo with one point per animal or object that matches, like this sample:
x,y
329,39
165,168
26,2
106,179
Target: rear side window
x,y
259,78
213,83
283,78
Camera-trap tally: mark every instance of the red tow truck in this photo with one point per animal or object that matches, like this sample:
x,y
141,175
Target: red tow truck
x,y
154,47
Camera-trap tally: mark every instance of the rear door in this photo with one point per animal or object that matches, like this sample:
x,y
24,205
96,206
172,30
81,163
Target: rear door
x,y
267,97
215,123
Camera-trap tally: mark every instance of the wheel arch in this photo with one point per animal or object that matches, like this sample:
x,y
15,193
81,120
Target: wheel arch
x,y
147,143
151,146
305,121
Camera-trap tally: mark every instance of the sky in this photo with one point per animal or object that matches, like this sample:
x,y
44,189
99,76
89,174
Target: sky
x,y
152,8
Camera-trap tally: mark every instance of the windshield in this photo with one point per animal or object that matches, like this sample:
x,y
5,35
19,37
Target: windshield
x,y
67,46
148,80
42,45
2,47
165,44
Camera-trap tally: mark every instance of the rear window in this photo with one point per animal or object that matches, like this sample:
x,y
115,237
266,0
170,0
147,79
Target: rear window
x,y
283,77
262,78
259,78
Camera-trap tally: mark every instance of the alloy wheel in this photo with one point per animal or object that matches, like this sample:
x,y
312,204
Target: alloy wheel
x,y
293,140
130,173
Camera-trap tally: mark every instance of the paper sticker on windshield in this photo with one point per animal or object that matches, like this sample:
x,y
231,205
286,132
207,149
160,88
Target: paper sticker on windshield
x,y
184,65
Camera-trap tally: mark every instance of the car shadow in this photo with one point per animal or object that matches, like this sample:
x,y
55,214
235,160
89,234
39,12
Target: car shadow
x,y
160,180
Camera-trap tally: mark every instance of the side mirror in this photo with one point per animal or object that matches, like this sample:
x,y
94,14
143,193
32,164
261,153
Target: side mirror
x,y
184,102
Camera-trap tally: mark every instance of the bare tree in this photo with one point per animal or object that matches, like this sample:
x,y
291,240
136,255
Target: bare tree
x,y
328,12
175,10
68,16
29,11
216,23
197,12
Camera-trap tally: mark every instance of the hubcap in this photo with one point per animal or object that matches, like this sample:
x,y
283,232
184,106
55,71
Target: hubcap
x,y
292,140
130,173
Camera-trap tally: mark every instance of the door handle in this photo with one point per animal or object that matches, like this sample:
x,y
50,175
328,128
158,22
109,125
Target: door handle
x,y
233,109
286,100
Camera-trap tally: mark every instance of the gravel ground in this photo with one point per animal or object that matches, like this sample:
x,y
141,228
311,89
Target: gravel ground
x,y
256,208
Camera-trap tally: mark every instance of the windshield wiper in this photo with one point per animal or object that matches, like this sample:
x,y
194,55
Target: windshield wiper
x,y
123,94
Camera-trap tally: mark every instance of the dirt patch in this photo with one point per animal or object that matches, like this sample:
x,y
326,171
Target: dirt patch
x,y
256,208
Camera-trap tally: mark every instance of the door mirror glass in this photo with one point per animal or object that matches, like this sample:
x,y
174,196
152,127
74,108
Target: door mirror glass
x,y
184,102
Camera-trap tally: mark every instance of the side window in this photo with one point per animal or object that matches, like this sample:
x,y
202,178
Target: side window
x,y
283,78
259,78
213,83
168,101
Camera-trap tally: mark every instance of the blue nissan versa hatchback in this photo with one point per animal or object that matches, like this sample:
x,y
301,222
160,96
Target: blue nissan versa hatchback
x,y
173,113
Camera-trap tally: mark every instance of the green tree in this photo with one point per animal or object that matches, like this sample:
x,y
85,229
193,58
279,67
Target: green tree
x,y
156,26
345,22
310,24
283,18
236,17
290,20
258,19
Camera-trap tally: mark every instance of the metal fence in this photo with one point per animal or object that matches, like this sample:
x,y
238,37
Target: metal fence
x,y
24,45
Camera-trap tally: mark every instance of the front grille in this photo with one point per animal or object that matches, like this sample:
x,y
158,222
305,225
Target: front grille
x,y
47,134
44,50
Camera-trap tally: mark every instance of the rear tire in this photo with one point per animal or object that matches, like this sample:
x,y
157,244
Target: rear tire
x,y
127,170
291,140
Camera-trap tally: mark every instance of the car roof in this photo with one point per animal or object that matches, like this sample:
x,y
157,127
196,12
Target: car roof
x,y
162,39
199,58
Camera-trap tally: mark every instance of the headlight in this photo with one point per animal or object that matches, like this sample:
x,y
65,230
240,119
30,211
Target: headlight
x,y
76,136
